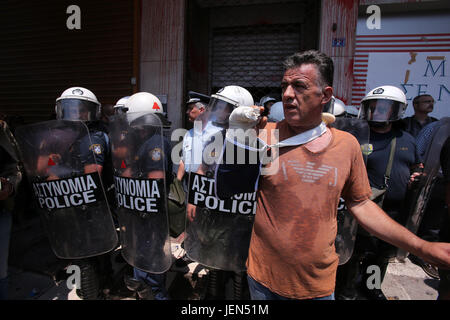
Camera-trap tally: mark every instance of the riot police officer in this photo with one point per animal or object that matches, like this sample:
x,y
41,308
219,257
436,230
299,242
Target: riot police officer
x,y
392,157
141,157
77,104
119,107
217,235
81,104
66,160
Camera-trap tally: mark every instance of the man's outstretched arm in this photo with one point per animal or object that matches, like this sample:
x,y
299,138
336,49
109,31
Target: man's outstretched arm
x,y
372,218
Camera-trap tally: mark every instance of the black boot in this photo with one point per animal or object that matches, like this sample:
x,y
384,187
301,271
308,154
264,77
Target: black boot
x,y
240,286
141,290
214,290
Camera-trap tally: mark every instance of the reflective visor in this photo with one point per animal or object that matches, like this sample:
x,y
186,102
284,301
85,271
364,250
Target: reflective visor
x,y
76,109
120,110
220,110
381,110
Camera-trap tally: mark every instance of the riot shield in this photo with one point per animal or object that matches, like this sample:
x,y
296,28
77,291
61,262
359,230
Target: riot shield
x,y
218,236
71,202
140,163
347,228
347,225
217,230
420,194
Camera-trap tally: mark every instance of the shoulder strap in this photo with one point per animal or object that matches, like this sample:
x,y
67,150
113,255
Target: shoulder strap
x,y
387,175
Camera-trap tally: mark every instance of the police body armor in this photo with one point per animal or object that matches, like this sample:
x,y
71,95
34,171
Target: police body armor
x,y
218,234
420,195
347,225
137,153
71,202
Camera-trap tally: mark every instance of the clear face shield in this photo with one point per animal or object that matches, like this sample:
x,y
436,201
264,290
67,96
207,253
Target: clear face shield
x,y
120,110
220,111
381,110
76,109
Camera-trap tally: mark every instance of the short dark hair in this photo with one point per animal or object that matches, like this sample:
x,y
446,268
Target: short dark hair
x,y
321,60
197,105
416,98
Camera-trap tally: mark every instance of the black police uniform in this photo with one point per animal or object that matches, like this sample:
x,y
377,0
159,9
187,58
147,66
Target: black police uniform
x,y
97,145
95,149
152,156
406,157
370,250
89,149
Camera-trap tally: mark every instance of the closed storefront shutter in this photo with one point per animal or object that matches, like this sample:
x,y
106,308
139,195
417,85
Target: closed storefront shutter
x,y
40,56
251,56
244,42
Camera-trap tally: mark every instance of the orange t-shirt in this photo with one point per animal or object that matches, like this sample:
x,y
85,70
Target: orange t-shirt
x,y
292,245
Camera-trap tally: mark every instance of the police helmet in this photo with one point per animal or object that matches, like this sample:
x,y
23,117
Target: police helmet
x,y
77,104
383,104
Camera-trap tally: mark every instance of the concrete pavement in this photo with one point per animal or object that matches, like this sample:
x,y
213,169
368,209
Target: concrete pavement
x,y
407,281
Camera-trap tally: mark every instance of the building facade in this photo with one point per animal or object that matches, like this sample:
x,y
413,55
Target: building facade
x,y
169,47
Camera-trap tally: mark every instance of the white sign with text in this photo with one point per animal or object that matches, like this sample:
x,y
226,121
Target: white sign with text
x,y
416,73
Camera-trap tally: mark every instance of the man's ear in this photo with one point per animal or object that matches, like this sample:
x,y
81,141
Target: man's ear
x,y
327,94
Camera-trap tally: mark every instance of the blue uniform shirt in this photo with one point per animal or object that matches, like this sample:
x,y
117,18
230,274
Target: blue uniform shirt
x,y
154,155
95,149
406,156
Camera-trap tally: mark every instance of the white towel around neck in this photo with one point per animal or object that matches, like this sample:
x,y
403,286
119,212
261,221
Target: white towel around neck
x,y
299,139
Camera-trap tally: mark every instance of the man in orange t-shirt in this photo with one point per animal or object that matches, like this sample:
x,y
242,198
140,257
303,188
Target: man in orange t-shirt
x,y
292,253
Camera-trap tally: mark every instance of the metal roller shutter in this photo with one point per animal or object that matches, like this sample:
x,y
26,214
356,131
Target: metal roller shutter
x,y
251,56
249,40
40,56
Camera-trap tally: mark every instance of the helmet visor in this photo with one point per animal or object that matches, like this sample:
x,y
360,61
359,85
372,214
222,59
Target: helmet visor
x,y
381,110
76,109
220,110
120,110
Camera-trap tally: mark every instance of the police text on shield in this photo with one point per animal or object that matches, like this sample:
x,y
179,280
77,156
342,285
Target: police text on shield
x,y
202,194
65,193
143,195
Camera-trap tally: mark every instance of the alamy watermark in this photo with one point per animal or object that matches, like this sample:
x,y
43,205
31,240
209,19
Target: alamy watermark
x,y
241,146
374,21
73,22
374,280
74,280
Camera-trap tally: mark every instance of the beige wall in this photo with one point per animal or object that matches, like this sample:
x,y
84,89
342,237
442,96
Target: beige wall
x,y
344,14
162,53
